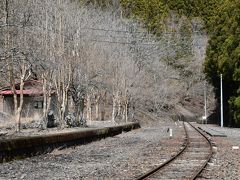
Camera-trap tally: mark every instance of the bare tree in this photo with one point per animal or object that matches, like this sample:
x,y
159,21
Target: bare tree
x,y
97,60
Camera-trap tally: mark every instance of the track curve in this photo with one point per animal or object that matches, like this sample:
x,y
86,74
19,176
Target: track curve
x,y
189,162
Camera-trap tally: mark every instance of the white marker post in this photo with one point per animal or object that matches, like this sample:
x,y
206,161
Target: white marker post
x,y
170,132
221,101
203,119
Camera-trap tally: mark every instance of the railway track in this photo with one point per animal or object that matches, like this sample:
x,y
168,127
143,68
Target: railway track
x,y
189,162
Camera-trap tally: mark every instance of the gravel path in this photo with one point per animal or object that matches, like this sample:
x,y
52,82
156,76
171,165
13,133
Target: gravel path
x,y
225,163
121,157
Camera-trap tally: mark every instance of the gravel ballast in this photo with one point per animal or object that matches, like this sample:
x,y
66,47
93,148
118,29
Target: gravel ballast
x,y
125,156
225,163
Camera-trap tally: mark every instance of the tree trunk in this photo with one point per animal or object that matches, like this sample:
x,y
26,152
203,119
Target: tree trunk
x,y
77,111
97,99
126,110
118,100
44,100
63,106
82,120
19,109
47,97
62,84
114,108
104,98
57,81
9,61
89,108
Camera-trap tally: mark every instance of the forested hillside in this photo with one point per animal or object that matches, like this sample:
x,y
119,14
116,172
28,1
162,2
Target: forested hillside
x,y
223,57
178,24
95,58
221,21
125,54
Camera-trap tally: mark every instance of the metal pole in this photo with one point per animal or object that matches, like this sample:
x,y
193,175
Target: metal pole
x,y
221,103
205,101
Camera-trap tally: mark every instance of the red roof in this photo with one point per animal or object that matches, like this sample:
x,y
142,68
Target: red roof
x,y
25,92
26,83
32,91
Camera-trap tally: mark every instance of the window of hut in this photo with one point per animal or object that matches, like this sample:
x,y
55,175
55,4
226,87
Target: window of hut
x,y
38,104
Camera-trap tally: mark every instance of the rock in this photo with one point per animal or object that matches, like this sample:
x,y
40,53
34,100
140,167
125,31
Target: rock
x,y
23,176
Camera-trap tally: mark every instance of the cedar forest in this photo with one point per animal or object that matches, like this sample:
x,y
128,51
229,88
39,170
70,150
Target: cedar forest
x,y
222,22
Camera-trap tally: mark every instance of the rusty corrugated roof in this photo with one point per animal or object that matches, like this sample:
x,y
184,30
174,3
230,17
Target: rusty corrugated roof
x,y
25,92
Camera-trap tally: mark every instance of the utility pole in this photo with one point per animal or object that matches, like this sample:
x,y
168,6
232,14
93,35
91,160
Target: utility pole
x,y
205,101
221,102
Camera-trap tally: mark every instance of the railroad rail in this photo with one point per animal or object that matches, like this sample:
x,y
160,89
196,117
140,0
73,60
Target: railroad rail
x,y
190,160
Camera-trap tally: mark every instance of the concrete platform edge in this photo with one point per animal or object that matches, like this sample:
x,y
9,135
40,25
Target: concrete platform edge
x,y
19,148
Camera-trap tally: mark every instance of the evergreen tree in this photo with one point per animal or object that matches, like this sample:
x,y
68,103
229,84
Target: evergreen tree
x,y
223,56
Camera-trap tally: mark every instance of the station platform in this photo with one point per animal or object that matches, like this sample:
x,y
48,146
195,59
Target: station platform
x,y
13,148
211,131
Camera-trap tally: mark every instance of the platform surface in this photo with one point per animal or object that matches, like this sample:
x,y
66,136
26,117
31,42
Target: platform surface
x,y
212,132
19,147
